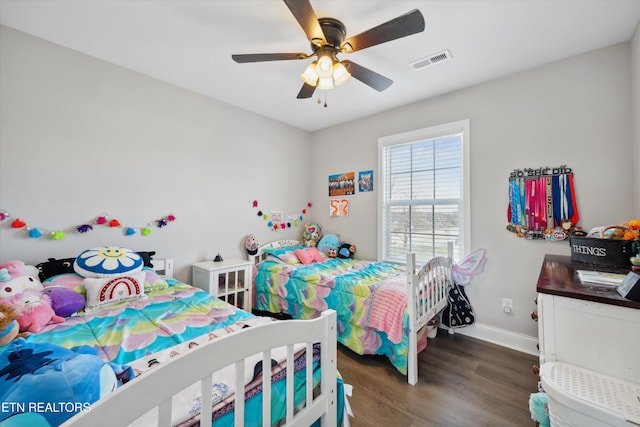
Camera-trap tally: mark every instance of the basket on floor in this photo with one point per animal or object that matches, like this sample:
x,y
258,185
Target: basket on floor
x,y
580,397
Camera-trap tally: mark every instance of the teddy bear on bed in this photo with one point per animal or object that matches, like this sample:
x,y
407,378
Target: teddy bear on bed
x,y
311,234
22,291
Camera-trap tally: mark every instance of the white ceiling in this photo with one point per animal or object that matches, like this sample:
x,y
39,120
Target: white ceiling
x,y
189,44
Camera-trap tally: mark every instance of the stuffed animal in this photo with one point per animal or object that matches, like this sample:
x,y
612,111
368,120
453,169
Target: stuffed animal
x,y
9,327
22,290
64,302
16,278
34,310
539,408
329,241
346,250
251,244
64,380
311,234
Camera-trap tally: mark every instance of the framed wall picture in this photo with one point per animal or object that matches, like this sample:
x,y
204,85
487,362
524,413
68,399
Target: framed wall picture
x,y
342,184
365,181
339,207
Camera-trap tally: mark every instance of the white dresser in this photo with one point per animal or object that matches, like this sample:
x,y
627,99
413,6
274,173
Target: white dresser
x,y
594,335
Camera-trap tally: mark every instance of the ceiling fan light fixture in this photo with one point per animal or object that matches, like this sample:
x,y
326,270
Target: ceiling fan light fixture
x,y
325,83
310,75
340,74
324,68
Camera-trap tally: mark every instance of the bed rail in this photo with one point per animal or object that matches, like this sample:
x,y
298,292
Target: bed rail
x,y
427,289
156,387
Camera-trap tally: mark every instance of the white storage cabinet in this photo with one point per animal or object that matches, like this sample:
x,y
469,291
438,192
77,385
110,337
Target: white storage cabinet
x,y
229,280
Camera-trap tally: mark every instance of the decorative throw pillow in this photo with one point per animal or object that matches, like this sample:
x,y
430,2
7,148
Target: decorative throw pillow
x,y
147,257
54,267
102,291
286,255
309,255
153,281
108,261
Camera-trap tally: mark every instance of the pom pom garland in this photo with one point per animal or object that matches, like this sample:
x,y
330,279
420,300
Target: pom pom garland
x,y
104,220
18,223
291,220
34,233
83,228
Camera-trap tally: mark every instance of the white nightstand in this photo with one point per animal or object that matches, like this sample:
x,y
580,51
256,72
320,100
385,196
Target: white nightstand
x,y
229,280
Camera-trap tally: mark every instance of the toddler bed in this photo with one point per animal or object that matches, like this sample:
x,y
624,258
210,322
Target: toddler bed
x,y
173,339
381,308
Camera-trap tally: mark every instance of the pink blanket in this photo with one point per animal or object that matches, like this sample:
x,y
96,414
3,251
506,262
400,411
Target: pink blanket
x,y
387,304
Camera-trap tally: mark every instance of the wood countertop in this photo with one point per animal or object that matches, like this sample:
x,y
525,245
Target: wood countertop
x,y
558,276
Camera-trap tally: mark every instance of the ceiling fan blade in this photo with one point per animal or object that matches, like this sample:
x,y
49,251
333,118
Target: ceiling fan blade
x,y
261,57
306,17
366,76
402,26
306,91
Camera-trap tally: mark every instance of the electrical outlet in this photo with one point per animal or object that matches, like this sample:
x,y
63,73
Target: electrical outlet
x,y
507,305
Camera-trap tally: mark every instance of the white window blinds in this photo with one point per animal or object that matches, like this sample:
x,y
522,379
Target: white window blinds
x,y
422,193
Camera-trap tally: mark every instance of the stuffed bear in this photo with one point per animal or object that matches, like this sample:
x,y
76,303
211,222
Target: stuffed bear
x,y
311,234
346,250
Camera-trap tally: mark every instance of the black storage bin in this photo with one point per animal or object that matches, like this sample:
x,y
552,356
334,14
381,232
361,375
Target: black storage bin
x,y
605,252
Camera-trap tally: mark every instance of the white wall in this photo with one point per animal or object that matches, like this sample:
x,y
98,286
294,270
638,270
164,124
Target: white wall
x,y
80,137
574,112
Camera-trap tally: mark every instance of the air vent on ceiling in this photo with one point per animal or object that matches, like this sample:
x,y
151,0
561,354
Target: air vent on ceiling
x,y
436,58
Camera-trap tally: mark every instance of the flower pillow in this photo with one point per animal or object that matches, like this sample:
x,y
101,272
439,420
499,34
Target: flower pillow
x,y
309,255
102,291
108,261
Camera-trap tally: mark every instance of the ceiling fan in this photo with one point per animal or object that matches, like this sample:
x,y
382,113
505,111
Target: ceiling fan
x,y
328,38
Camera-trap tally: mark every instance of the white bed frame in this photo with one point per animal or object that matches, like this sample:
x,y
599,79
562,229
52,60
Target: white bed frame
x,y
427,292
155,389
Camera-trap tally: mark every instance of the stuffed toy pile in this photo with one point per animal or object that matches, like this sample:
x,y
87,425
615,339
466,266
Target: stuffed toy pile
x,y
21,290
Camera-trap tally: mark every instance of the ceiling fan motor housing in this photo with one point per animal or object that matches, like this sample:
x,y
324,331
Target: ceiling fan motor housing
x,y
334,32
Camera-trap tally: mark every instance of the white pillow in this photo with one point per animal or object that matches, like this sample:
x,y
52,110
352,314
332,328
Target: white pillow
x,y
103,291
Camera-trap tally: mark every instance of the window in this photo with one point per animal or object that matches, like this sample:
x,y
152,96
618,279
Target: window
x,y
424,193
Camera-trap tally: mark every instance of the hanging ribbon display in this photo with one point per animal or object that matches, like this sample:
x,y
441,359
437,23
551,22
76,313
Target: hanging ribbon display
x,y
542,203
35,232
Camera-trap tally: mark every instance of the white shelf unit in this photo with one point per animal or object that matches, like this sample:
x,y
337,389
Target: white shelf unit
x,y
229,280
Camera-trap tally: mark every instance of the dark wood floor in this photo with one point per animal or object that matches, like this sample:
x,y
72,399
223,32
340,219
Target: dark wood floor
x,y
462,382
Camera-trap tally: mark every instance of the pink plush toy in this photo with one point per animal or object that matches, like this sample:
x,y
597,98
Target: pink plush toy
x,y
34,310
22,291
15,279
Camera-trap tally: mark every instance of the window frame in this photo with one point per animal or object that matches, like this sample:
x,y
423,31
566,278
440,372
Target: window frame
x,y
417,136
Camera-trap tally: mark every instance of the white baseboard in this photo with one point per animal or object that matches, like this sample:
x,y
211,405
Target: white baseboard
x,y
503,337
